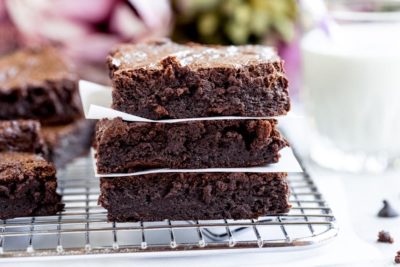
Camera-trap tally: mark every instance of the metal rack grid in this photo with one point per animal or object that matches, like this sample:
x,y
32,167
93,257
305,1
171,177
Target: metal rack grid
x,y
83,229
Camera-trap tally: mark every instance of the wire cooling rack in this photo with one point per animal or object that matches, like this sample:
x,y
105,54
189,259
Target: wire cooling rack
x,y
83,228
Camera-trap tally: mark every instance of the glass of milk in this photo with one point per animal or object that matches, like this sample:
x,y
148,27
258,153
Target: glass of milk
x,y
351,87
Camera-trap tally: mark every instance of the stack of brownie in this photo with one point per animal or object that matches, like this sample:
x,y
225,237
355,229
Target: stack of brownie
x,y
39,84
163,80
27,181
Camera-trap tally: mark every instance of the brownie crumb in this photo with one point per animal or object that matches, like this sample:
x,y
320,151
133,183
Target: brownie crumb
x,y
385,237
387,211
397,257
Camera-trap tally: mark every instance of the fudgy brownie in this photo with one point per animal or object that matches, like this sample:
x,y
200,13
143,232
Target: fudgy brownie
x,y
27,186
37,83
161,79
129,146
66,142
22,136
194,196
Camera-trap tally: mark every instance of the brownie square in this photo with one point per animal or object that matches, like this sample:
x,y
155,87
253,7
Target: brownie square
x,y
37,83
27,186
22,136
194,196
164,80
129,146
66,142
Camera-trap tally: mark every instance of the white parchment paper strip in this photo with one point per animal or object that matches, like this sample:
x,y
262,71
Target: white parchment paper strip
x,y
287,163
96,101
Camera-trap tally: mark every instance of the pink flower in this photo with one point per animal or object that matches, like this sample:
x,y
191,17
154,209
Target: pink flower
x,y
87,29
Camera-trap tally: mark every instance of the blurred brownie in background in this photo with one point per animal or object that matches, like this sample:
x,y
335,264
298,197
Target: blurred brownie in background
x,y
66,142
22,136
38,83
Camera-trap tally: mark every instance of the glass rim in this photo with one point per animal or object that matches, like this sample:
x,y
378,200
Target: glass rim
x,y
364,10
366,16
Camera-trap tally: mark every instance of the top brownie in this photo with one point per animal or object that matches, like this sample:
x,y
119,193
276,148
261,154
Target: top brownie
x,y
163,80
37,83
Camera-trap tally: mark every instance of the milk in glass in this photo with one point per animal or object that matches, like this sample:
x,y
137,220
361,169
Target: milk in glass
x,y
351,79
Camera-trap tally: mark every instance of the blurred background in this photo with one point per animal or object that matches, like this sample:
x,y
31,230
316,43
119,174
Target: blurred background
x,y
87,30
341,57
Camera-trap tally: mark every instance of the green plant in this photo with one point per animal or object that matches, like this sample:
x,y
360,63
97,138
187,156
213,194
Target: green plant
x,y
234,21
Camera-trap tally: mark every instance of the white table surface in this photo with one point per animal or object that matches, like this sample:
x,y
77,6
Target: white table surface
x,y
363,195
355,200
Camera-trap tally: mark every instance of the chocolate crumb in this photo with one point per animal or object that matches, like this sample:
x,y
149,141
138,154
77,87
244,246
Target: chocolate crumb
x,y
385,237
397,257
387,211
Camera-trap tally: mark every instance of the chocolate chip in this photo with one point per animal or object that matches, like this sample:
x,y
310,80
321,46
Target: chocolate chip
x,y
387,211
385,237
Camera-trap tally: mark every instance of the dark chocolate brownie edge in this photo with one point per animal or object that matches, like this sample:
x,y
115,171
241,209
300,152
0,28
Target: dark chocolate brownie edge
x,y
129,147
194,196
26,207
178,92
28,188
